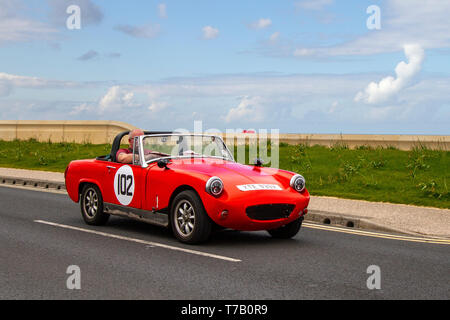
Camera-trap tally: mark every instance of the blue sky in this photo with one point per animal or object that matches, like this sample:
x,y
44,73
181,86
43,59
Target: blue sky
x,y
309,66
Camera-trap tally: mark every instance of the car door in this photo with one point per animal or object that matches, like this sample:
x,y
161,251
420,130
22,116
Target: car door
x,y
160,186
125,185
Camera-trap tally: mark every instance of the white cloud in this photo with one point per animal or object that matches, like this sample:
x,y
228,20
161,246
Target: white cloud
x,y
158,106
292,103
17,28
210,32
147,31
162,10
390,86
249,109
120,99
84,107
22,30
313,4
9,82
380,113
117,98
334,106
414,21
261,23
275,36
22,81
302,52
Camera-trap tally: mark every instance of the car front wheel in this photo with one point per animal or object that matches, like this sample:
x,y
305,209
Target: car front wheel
x,y
92,206
288,231
189,221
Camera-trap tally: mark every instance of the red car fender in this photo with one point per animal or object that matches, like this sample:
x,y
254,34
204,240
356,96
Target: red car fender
x,y
163,185
74,179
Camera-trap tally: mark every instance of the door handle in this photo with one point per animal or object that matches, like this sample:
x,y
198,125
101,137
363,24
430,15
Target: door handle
x,y
111,167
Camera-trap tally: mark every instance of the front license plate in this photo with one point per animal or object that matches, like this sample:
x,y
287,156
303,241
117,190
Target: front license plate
x,y
255,187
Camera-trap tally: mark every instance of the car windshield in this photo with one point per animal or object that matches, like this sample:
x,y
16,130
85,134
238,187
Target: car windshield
x,y
184,146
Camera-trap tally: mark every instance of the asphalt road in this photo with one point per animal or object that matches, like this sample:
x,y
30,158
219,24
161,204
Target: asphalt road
x,y
142,262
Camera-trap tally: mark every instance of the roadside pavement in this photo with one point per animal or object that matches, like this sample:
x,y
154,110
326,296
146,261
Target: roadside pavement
x,y
358,214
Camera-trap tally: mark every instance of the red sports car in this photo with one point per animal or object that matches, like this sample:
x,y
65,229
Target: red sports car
x,y
189,183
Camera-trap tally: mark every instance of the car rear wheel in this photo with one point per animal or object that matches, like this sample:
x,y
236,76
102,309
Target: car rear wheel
x,y
92,206
189,221
288,231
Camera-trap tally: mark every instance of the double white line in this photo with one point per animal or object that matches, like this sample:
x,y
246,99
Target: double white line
x,y
148,243
377,234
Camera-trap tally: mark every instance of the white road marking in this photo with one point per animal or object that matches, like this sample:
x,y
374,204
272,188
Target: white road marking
x,y
376,234
147,243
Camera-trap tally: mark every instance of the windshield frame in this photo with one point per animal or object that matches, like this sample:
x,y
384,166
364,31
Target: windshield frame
x,y
145,163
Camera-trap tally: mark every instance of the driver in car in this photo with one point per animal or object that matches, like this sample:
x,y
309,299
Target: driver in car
x,y
126,155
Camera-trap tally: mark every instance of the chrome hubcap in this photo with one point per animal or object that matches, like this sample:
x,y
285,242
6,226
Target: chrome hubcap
x,y
185,218
91,203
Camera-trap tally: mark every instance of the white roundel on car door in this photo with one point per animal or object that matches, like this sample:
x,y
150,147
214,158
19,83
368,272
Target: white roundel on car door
x,y
124,185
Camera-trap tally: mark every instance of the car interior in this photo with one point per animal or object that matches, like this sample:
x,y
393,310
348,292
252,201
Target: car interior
x,y
117,141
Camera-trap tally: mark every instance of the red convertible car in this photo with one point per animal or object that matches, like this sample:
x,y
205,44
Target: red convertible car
x,y
189,183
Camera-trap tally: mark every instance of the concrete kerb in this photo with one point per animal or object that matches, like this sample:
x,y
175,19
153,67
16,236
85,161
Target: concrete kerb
x,y
32,183
347,221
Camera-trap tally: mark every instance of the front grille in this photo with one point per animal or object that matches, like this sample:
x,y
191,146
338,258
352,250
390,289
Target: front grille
x,y
270,211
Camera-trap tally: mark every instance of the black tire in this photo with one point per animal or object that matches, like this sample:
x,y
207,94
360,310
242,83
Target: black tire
x,y
91,204
288,231
189,221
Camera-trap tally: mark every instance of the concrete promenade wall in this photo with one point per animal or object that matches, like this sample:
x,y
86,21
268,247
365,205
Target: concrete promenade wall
x,y
402,142
99,132
96,132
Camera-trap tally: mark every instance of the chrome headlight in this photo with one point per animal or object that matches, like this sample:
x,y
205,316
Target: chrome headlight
x,y
214,186
298,183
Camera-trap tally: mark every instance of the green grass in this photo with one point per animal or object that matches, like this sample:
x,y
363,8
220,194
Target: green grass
x,y
419,177
46,156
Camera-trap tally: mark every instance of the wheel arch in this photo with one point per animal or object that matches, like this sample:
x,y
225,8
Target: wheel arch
x,y
179,190
85,182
